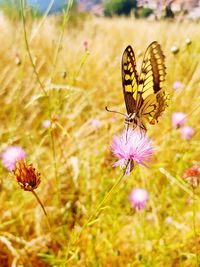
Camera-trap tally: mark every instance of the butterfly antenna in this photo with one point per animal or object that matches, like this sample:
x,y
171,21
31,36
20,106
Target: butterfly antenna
x,y
113,111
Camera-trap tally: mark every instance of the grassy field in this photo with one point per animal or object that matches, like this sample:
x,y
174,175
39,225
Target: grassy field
x,y
75,73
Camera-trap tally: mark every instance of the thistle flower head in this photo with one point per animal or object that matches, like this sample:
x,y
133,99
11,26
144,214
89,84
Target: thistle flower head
x,y
138,198
187,132
178,119
132,147
26,175
11,155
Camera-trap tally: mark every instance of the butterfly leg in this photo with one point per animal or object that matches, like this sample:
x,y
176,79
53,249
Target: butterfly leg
x,y
127,128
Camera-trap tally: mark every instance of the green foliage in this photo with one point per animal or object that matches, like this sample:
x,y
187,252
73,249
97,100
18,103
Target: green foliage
x,y
119,7
144,12
77,19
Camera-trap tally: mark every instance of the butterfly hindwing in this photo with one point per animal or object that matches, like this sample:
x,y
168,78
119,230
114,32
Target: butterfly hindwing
x,y
129,79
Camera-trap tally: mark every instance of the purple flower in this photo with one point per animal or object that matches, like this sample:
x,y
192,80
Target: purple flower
x,y
95,123
187,132
11,155
46,124
132,147
138,198
177,85
178,119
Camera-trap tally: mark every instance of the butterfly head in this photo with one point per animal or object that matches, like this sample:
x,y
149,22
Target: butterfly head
x,y
136,121
131,117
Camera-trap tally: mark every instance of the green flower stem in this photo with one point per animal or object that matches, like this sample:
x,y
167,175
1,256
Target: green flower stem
x,y
43,208
93,216
194,229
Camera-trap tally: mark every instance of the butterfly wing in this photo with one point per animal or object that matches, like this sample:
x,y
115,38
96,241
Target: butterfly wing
x,y
129,79
151,98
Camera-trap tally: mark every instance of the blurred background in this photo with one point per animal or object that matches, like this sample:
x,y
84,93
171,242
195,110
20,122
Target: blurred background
x,y
154,9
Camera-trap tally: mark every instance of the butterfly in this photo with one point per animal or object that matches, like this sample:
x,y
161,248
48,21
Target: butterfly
x,y
144,96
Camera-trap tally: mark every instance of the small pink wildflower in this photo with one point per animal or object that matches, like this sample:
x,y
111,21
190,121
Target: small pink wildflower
x,y
177,85
138,198
95,123
187,132
169,220
11,155
46,124
132,147
178,119
114,119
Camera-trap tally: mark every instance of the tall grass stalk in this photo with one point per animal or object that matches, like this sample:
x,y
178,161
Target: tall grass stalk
x,y
47,97
42,20
65,19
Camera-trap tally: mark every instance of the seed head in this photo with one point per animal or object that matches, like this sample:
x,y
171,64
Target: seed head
x,y
174,49
26,175
188,41
192,175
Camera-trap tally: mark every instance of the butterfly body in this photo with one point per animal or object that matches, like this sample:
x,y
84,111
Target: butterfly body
x,y
144,96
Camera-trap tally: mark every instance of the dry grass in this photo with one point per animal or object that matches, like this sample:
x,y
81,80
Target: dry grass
x,y
75,159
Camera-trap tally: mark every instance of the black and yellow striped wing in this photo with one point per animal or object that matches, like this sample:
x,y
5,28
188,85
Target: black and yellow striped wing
x,y
129,79
151,98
